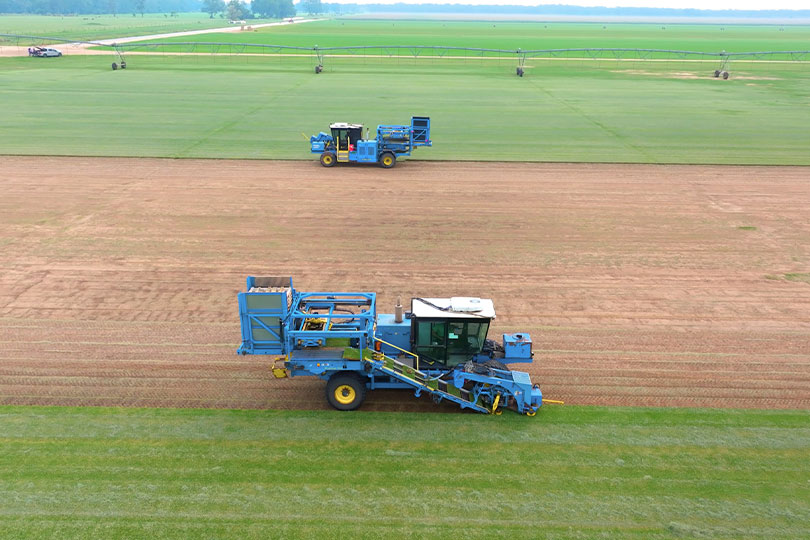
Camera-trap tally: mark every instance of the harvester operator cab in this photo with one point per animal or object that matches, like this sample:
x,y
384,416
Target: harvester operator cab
x,y
346,137
449,331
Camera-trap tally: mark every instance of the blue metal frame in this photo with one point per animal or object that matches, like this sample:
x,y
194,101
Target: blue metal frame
x,y
353,326
252,319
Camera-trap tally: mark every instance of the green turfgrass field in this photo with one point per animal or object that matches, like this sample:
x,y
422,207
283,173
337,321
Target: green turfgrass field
x,y
91,27
570,472
243,106
527,36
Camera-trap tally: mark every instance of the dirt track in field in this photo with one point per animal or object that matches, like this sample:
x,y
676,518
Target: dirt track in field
x,y
640,284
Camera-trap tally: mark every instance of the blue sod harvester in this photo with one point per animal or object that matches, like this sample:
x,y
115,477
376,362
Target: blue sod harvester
x,y
439,347
346,145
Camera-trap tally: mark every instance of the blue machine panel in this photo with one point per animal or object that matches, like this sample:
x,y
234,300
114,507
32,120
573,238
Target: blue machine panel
x,y
517,348
262,311
420,128
318,142
398,334
367,151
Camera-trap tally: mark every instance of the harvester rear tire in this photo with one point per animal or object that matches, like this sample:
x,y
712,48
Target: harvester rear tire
x,y
328,159
388,160
114,66
725,75
716,73
345,391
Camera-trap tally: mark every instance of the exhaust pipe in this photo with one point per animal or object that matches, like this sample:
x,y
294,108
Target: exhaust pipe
x,y
398,310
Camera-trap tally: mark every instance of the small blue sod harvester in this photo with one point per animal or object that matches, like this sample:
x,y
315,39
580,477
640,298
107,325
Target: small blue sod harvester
x,y
346,145
439,347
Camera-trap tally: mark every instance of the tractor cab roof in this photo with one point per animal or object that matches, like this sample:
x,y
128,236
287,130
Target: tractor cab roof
x,y
344,125
457,307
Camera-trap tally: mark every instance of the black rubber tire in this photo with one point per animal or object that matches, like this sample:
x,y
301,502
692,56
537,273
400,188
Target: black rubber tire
x,y
328,159
345,391
387,160
725,75
716,73
114,66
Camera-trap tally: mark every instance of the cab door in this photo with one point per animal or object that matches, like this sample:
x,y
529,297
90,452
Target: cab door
x,y
341,137
431,341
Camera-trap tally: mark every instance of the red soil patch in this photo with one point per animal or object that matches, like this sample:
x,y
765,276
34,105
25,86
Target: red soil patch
x,y
640,285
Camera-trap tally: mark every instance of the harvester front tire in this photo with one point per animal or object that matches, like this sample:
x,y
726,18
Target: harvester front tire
x,y
388,160
345,391
725,75
327,159
716,73
114,66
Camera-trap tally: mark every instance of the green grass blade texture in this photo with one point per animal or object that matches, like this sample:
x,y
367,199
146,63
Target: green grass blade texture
x,y
570,472
257,106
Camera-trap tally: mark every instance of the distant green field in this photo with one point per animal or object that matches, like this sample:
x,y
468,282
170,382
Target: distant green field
x,y
91,27
527,36
570,472
243,106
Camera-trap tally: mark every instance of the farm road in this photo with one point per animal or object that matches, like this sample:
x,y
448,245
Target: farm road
x,y
84,48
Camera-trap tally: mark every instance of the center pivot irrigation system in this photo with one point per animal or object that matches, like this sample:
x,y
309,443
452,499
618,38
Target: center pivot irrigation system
x,y
439,347
723,59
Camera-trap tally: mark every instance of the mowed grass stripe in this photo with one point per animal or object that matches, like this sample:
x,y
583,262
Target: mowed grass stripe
x,y
524,35
247,107
570,471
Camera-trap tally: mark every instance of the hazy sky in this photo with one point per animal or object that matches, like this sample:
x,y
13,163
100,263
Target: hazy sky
x,y
697,4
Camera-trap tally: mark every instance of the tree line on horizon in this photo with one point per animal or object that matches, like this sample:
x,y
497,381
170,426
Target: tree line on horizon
x,y
561,9
285,8
97,7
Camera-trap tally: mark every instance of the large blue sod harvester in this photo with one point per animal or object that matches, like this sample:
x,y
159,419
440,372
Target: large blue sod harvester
x,y
439,347
346,143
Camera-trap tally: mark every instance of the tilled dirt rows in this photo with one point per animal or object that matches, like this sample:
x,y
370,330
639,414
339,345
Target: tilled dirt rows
x,y
640,285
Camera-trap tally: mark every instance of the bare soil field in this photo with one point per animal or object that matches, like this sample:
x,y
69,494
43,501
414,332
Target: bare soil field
x,y
640,284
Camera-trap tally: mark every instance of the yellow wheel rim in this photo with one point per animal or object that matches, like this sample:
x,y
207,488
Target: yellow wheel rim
x,y
387,160
327,160
531,413
344,394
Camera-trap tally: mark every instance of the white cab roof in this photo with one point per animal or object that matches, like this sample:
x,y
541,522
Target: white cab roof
x,y
458,307
344,125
